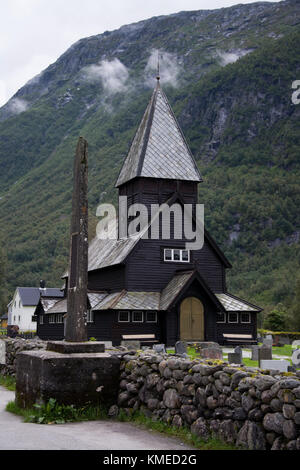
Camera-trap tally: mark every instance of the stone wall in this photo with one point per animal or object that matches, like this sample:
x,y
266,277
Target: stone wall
x,y
241,405
12,347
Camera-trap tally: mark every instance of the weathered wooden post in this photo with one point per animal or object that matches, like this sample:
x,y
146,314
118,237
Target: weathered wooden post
x,y
76,329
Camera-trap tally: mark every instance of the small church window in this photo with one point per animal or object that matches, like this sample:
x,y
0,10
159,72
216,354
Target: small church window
x,y
138,316
245,317
41,319
124,316
233,317
176,255
221,317
90,316
151,317
59,318
52,318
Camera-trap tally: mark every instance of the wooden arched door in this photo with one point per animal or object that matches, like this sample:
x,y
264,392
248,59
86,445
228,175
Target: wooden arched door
x,y
191,319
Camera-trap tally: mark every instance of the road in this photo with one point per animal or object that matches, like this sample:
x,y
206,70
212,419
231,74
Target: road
x,y
92,435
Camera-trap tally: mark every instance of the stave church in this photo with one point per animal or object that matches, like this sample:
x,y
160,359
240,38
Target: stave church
x,y
155,289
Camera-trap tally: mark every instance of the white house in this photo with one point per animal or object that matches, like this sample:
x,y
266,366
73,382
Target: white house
x,y
24,303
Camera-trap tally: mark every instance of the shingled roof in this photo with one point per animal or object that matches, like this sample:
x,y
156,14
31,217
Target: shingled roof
x,y
159,148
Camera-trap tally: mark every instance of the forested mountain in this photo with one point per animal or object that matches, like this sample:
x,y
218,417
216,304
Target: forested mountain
x,y
228,74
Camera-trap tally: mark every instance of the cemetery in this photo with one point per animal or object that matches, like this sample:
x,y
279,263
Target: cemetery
x,y
189,386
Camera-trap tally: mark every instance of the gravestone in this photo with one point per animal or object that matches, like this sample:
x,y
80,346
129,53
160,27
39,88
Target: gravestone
x,y
131,344
296,344
254,353
236,357
264,353
212,353
296,358
180,347
268,340
280,365
2,352
159,348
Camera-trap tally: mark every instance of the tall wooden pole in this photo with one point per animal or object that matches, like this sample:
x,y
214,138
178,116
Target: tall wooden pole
x,y
76,329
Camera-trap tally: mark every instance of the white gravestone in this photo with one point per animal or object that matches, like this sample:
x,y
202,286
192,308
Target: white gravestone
x,y
2,352
296,358
281,365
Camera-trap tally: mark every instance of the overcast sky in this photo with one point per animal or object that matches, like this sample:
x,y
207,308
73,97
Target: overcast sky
x,y
34,33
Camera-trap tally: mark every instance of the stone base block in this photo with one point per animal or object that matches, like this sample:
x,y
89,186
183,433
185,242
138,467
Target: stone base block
x,y
72,379
65,347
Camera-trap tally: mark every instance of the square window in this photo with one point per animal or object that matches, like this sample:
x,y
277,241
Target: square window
x,y
176,255
151,317
124,316
52,318
137,316
59,318
221,317
245,317
185,256
233,317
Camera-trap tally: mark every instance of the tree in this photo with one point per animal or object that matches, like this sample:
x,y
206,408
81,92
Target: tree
x,y
3,287
276,319
294,314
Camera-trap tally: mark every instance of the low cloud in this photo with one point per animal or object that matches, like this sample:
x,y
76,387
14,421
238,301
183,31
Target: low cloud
x,y
18,105
112,74
169,68
226,58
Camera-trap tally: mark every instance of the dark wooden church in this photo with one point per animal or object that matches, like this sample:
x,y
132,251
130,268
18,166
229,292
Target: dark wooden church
x,y
156,290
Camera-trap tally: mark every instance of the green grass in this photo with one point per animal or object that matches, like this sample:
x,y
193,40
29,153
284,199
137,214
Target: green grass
x,y
55,413
8,382
183,433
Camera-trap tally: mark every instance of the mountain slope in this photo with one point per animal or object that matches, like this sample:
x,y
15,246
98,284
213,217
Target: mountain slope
x,y
237,116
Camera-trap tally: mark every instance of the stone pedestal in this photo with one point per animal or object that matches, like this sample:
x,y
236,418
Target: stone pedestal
x,y
72,376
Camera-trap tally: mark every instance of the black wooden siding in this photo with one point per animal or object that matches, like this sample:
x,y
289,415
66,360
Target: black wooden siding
x,y
146,269
110,278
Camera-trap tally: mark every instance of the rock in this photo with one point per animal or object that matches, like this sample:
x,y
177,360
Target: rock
x,y
177,421
278,444
189,413
113,411
264,382
289,429
199,427
200,397
171,398
251,436
288,411
247,402
255,414
227,431
297,418
211,402
276,404
274,422
153,404
289,383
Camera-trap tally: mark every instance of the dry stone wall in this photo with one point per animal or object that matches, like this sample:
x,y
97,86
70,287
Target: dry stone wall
x,y
11,347
241,405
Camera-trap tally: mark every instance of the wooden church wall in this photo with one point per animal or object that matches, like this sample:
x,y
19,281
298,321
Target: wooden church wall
x,y
147,270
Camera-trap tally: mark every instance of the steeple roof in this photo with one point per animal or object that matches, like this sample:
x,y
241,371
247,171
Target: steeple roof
x,y
159,149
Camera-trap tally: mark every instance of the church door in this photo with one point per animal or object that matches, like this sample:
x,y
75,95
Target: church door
x,y
191,320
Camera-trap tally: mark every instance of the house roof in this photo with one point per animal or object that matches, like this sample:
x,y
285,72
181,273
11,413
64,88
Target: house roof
x,y
30,296
137,300
159,148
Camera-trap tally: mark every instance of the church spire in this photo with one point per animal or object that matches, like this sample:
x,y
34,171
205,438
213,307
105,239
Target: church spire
x,y
159,148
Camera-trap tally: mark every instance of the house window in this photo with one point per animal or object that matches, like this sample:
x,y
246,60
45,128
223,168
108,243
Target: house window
x,y
221,317
151,317
90,316
41,319
52,318
19,318
138,316
176,255
14,318
232,317
124,316
245,317
59,318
